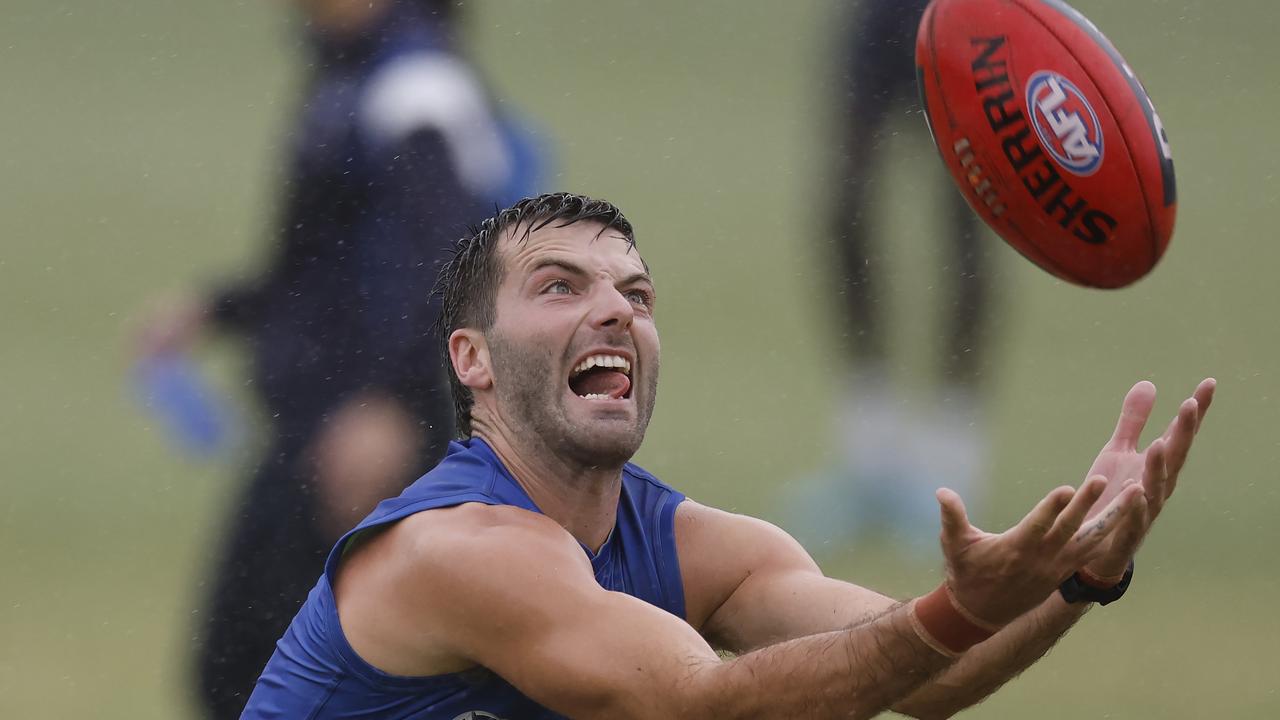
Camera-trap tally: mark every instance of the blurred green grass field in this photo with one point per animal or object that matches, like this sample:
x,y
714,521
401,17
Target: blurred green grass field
x,y
139,144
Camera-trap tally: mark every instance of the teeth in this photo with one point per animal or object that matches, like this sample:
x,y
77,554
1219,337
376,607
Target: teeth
x,y
595,396
615,361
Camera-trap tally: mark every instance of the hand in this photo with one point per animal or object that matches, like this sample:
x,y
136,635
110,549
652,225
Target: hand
x,y
999,577
363,454
172,325
1155,469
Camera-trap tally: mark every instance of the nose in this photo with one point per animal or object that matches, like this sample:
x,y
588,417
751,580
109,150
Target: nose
x,y
611,309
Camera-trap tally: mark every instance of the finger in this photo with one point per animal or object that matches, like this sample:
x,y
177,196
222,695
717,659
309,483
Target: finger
x,y
1132,527
1181,431
1173,424
1157,484
1133,415
1204,397
1091,535
1070,519
955,521
1040,520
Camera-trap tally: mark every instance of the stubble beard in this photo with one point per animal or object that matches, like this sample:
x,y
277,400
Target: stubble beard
x,y
531,394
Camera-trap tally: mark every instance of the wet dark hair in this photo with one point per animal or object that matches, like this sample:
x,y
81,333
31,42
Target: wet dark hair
x,y
467,286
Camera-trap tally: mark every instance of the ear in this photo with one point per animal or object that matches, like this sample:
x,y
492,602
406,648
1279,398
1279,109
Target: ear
x,y
469,354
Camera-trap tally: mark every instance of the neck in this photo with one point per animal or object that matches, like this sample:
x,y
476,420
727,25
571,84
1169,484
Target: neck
x,y
582,499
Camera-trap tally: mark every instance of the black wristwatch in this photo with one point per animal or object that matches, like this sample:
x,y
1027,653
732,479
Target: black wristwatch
x,y
1075,590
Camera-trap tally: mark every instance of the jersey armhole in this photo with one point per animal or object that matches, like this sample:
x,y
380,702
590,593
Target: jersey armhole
x,y
358,538
360,535
669,556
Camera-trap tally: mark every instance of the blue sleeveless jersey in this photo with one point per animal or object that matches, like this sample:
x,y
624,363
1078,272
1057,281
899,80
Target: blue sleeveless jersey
x,y
314,673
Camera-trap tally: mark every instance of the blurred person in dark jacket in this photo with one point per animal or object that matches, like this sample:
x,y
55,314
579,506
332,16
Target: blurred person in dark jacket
x,y
395,149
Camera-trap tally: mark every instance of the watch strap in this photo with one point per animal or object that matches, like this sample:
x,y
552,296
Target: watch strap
x,y
1083,587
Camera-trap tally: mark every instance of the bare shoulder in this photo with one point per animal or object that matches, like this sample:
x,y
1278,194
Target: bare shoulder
x,y
471,542
718,550
415,598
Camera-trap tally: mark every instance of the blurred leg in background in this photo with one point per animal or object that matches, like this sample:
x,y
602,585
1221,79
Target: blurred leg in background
x,y
266,567
889,456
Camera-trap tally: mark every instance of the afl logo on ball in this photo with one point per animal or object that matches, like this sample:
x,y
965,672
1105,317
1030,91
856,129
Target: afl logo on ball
x,y
1068,127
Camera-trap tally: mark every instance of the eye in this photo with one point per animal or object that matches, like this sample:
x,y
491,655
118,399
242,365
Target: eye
x,y
557,287
639,296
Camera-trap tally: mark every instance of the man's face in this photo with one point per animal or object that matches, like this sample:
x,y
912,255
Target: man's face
x,y
574,348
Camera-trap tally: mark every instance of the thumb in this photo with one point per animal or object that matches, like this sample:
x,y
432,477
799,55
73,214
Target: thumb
x,y
955,521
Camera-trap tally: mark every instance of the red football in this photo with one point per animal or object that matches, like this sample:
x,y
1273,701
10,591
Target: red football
x,y
1049,135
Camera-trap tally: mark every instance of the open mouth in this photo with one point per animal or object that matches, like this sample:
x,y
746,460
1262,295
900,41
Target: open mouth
x,y
602,377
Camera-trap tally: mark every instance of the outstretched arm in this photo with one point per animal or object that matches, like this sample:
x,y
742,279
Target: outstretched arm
x,y
776,591
511,591
787,596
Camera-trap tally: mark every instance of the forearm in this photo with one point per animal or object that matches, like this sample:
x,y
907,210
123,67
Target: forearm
x,y
990,664
853,673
